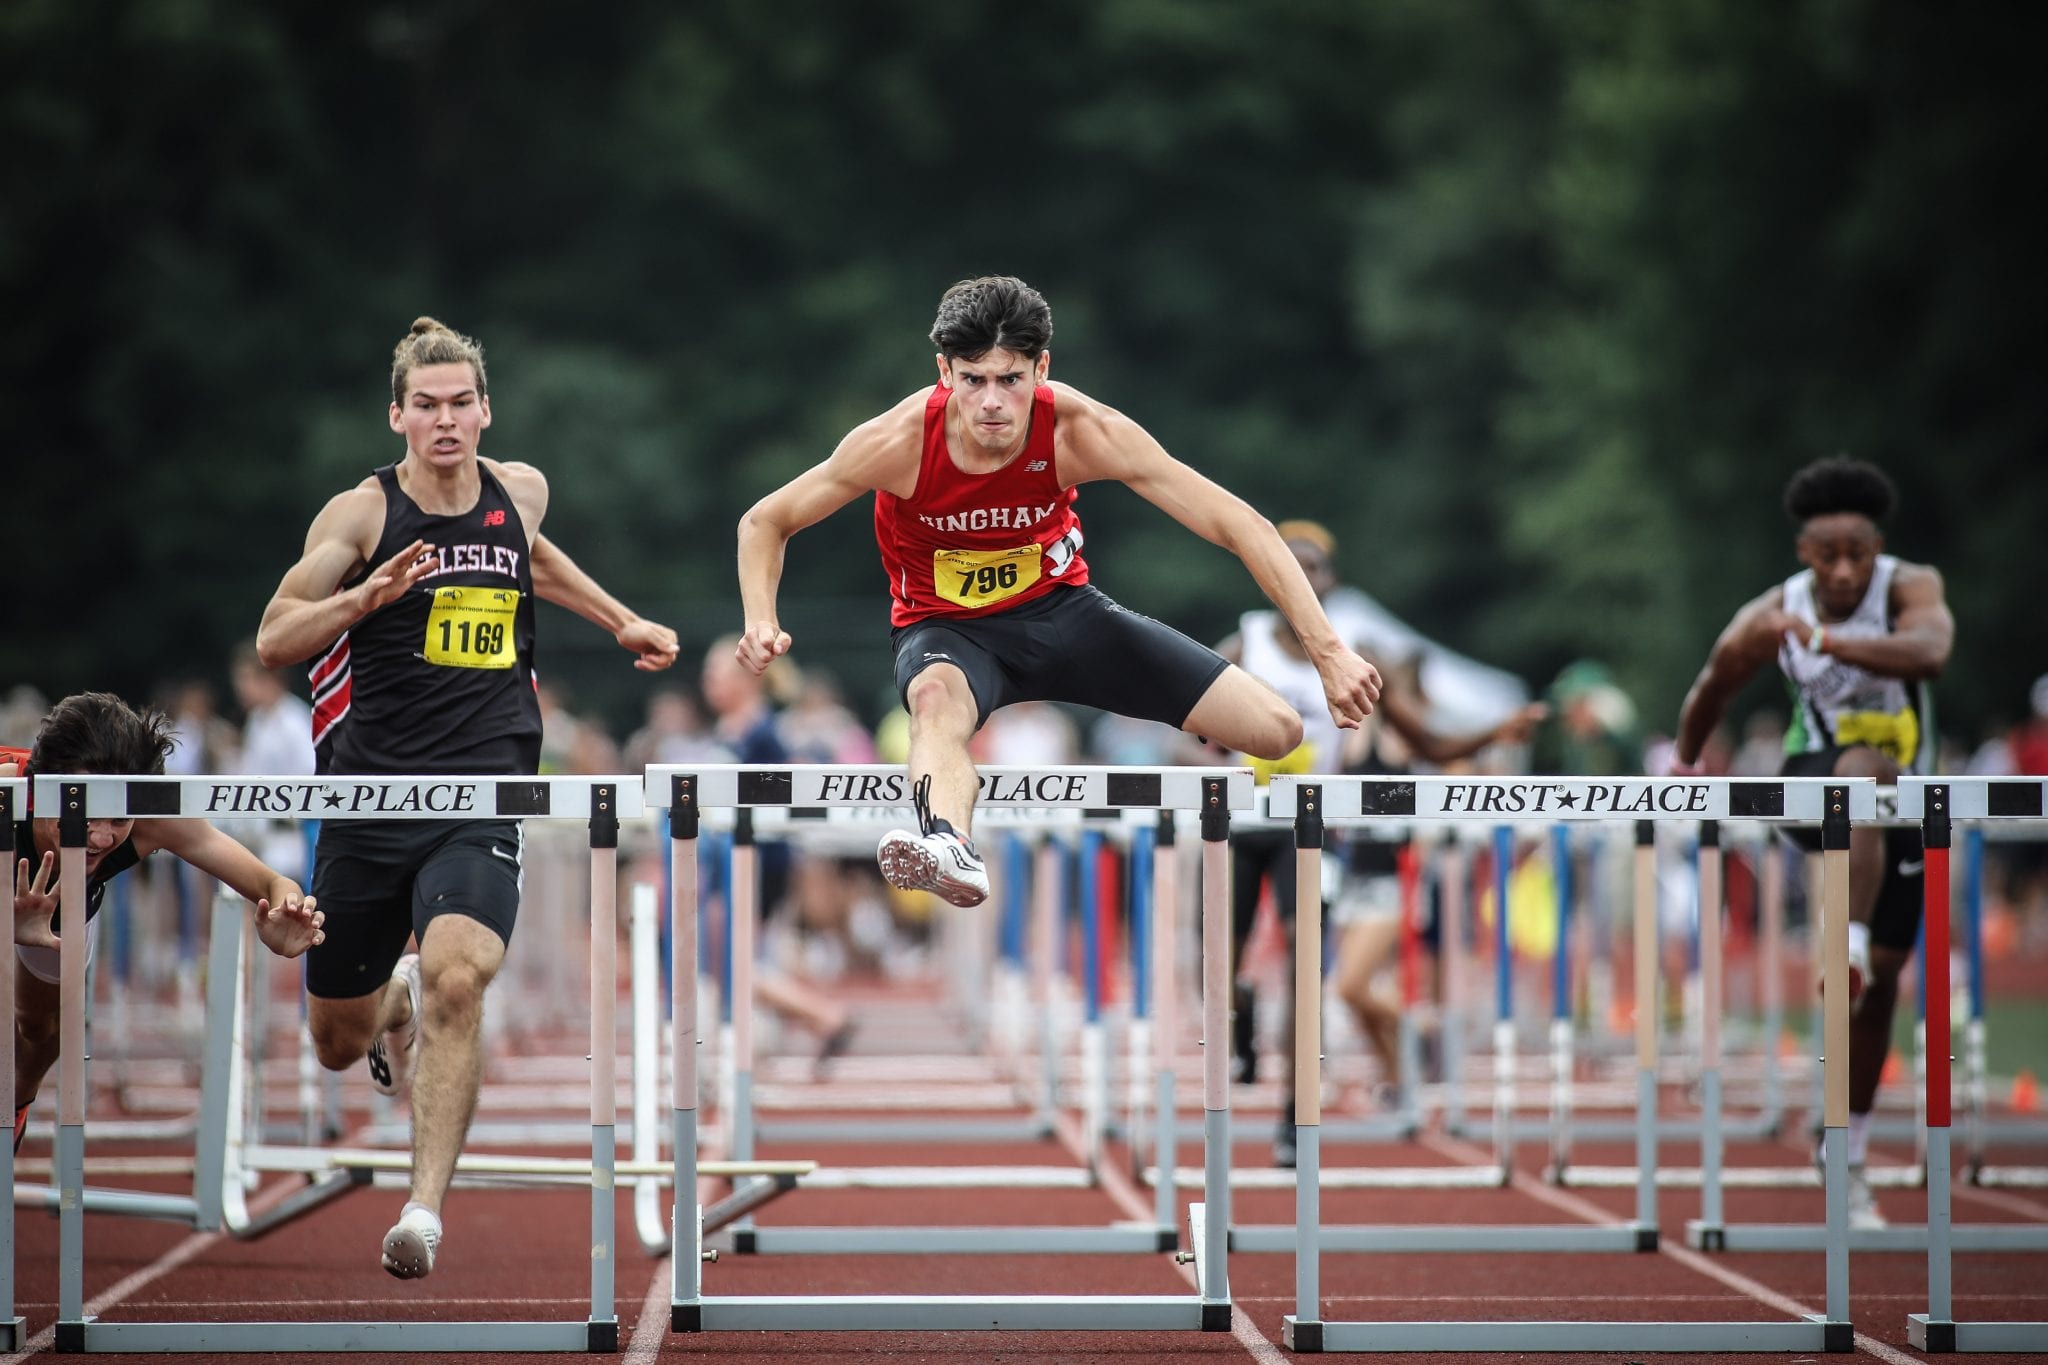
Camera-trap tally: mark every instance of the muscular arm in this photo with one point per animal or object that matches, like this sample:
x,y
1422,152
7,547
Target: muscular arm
x,y
1097,442
1406,713
286,919
878,454
1749,642
557,578
305,614
1923,631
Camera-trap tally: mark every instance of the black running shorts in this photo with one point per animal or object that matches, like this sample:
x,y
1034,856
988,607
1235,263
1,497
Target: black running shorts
x,y
380,882
1895,920
1071,645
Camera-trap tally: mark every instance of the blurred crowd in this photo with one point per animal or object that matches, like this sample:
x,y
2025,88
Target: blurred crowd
x,y
842,919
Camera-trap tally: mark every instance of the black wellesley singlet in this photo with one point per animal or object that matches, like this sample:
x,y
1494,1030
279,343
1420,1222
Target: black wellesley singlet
x,y
440,681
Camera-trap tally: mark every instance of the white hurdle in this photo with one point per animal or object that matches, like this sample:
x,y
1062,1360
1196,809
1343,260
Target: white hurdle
x,y
1313,801
1937,802
600,800
687,792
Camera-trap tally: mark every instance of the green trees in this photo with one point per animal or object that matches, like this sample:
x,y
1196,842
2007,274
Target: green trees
x,y
1536,304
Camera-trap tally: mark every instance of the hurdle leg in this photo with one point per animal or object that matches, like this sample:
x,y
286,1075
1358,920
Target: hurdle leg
x,y
71,837
12,1325
1165,1020
1935,1330
1045,892
1771,967
1303,1330
1451,1048
744,900
1561,1006
1646,970
1094,1039
654,1238
604,1061
1503,1009
1214,1274
686,1268
1835,1056
1712,1235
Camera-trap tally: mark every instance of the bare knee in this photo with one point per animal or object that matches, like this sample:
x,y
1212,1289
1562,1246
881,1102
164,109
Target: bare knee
x,y
935,702
452,998
1276,733
340,1038
1861,760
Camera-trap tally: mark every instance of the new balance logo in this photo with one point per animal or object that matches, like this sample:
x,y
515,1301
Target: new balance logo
x,y
1034,467
495,517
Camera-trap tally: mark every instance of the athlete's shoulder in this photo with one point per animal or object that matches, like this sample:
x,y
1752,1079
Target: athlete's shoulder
x,y
893,435
357,511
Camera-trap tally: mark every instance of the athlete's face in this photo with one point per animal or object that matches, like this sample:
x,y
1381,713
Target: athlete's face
x,y
993,396
443,414
1841,549
101,838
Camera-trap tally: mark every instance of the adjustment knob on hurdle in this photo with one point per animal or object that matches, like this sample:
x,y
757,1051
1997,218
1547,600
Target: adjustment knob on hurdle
x,y
710,1254
1184,1257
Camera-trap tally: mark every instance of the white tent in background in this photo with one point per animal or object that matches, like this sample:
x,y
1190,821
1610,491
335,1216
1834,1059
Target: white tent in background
x,y
1464,694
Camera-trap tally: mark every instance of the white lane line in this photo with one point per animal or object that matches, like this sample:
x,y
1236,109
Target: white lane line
x,y
649,1332
163,1265
1127,1197
1572,1204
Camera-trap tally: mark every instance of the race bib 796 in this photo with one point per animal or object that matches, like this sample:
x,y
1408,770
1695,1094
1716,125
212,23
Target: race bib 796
x,y
975,578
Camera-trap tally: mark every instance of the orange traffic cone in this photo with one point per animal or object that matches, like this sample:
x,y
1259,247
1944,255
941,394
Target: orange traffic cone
x,y
2026,1093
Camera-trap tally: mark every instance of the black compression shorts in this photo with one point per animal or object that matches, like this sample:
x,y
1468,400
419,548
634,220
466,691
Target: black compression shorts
x,y
1895,920
380,882
1071,645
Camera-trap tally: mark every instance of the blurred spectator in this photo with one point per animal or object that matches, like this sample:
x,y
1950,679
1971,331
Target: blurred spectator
x,y
204,741
744,723
1762,751
1593,730
817,727
1128,740
1029,734
2028,743
277,741
674,733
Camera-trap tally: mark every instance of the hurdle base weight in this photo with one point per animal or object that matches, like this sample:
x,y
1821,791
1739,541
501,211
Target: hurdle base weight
x,y
686,1317
1215,1317
1305,1337
604,1337
1924,1334
13,1333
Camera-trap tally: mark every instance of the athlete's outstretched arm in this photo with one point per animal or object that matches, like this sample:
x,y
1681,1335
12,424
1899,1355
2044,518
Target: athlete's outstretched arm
x,y
879,454
1748,642
558,578
305,614
1923,631
1097,442
287,920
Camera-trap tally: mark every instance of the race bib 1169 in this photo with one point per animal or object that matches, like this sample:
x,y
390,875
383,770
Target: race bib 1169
x,y
472,628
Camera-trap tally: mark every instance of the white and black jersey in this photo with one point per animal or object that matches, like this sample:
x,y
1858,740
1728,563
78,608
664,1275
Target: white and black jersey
x,y
442,680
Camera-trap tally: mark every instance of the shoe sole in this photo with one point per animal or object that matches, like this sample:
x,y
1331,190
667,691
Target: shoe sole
x,y
406,1254
908,865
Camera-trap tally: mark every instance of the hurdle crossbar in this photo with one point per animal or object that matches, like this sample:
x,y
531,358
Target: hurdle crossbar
x,y
686,792
1315,800
602,801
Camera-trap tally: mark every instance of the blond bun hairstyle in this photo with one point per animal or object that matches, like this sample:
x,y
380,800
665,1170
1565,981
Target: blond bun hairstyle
x,y
431,342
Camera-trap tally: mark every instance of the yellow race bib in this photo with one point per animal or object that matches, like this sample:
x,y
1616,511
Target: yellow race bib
x,y
1301,759
1897,736
472,628
976,578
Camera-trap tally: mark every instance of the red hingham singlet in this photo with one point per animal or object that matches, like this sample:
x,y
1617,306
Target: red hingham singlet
x,y
970,544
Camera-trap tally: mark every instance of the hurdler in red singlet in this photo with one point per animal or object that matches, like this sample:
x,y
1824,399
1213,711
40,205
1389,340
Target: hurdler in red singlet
x,y
990,599
965,544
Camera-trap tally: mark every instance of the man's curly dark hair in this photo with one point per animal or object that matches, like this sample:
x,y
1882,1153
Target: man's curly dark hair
x,y
1840,484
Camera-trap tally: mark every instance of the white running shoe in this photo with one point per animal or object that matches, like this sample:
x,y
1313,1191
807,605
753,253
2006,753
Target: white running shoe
x,y
1863,1209
410,1245
942,863
390,1058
